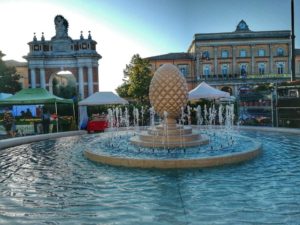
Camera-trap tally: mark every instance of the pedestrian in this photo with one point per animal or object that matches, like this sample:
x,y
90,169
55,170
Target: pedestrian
x,y
46,120
8,122
28,113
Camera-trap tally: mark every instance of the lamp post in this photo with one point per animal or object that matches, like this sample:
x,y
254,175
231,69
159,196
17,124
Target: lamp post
x,y
293,77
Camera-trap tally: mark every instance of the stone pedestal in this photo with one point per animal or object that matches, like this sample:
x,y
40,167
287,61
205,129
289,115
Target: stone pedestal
x,y
173,136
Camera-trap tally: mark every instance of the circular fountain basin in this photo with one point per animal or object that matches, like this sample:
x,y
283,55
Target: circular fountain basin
x,y
49,182
118,151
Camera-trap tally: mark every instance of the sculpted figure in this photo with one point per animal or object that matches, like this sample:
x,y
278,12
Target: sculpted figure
x,y
61,26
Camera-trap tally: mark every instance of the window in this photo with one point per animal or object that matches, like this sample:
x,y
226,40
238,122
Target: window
x,y
224,54
224,69
280,52
206,70
36,48
205,55
243,53
280,68
183,69
243,70
261,52
261,68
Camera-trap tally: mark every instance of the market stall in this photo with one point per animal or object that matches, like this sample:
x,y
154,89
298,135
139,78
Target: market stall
x,y
203,90
36,96
97,122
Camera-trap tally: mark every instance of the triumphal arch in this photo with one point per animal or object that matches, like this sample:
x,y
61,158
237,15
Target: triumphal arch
x,y
79,57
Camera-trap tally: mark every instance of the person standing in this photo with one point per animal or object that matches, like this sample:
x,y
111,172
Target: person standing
x,y
28,113
46,121
8,122
38,111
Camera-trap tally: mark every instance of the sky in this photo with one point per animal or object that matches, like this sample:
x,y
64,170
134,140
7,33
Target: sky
x,y
123,28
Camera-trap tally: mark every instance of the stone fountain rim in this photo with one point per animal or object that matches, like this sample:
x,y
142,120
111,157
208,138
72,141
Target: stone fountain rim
x,y
203,162
12,142
200,162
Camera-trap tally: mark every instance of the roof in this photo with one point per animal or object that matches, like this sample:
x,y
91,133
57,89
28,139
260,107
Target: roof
x,y
33,96
243,35
171,56
102,98
14,63
203,90
297,51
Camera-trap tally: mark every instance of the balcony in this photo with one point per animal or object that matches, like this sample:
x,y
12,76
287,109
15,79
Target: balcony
x,y
238,79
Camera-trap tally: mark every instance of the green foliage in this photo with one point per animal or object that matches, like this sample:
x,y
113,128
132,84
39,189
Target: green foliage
x,y
9,79
55,86
122,90
68,91
137,78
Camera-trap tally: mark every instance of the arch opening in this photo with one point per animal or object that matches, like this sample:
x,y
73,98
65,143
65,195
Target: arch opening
x,y
63,84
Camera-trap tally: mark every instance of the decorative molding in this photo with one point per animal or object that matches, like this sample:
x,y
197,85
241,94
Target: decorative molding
x,y
231,43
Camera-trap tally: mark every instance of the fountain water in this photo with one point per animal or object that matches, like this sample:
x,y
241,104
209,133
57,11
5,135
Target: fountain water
x,y
168,144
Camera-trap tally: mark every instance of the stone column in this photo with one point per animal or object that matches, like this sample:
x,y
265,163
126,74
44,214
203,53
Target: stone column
x,y
80,82
32,78
270,60
90,80
252,60
233,60
216,60
42,78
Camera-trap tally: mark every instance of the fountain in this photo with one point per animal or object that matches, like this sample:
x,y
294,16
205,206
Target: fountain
x,y
168,144
169,95
45,180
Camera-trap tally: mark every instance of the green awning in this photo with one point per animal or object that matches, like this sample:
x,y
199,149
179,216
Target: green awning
x,y
33,96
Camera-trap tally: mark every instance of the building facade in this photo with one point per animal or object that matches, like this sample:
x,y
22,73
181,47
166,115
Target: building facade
x,y
231,60
79,57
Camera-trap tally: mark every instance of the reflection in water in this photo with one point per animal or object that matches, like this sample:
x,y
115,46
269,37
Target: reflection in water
x,y
50,182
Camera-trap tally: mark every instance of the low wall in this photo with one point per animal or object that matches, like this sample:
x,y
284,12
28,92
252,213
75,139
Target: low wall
x,y
11,142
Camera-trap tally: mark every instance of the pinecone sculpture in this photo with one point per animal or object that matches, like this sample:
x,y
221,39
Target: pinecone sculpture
x,y
168,91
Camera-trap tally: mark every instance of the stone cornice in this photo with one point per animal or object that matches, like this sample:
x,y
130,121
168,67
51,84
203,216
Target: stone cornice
x,y
236,43
243,35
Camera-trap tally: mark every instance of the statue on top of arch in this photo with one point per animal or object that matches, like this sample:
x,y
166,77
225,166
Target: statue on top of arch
x,y
61,27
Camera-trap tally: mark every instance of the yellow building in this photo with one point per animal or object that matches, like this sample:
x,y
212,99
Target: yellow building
x,y
230,60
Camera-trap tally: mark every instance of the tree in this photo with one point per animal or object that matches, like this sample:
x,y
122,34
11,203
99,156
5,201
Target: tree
x,y
137,78
65,91
55,86
9,79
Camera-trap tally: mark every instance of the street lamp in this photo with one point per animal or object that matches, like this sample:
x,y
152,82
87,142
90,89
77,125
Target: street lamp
x,y
293,77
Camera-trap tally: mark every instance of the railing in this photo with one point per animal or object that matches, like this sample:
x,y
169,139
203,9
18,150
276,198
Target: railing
x,y
237,78
264,76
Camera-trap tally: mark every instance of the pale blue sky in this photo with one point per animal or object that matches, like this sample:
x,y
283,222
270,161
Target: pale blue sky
x,y
125,27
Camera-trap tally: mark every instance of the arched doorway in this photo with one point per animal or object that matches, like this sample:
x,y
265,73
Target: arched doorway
x,y
63,84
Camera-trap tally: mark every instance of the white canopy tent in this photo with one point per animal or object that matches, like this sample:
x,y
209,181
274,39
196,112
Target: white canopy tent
x,y
203,90
98,98
102,98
